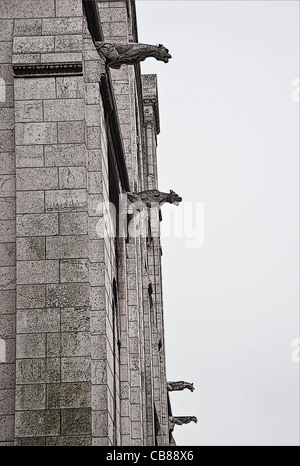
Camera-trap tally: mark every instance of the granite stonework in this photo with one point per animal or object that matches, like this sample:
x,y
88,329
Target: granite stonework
x,y
82,358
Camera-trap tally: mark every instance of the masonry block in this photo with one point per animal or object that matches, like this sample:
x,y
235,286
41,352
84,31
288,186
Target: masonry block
x,y
73,223
32,202
31,296
30,272
37,88
72,177
68,344
35,133
67,247
30,179
68,295
41,370
38,320
37,224
29,156
65,155
63,110
66,200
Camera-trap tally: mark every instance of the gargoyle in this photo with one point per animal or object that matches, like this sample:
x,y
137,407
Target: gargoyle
x,y
171,386
130,54
179,420
153,196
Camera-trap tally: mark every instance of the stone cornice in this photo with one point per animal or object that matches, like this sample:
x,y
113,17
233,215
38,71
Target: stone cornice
x,y
46,70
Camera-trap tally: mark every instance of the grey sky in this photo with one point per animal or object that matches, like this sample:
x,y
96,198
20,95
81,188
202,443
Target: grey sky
x,y
229,138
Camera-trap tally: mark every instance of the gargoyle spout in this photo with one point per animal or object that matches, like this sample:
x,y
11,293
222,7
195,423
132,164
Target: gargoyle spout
x,y
116,55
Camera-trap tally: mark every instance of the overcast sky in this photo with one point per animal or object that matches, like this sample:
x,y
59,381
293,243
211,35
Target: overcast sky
x,y
229,139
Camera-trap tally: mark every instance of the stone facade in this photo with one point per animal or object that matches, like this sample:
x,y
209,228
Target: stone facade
x,y
82,357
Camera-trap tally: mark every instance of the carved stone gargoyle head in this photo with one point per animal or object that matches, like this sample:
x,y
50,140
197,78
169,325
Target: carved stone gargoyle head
x,y
173,198
163,53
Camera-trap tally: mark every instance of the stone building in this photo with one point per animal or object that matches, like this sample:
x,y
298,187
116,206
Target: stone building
x,y
82,358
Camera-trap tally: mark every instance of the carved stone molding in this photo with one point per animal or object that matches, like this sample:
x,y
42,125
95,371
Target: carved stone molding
x,y
46,70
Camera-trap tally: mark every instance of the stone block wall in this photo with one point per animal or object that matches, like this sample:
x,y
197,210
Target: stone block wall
x,y
8,233
81,324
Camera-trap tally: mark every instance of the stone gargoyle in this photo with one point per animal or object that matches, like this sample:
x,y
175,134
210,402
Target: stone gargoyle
x,y
172,386
179,420
116,55
152,196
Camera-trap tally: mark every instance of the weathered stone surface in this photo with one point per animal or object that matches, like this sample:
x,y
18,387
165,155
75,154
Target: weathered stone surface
x,y
56,26
30,397
28,27
6,116
36,133
7,185
36,178
8,278
31,272
72,8
26,8
71,132
75,319
76,421
8,254
69,395
7,328
73,223
61,57
32,202
72,177
8,230
31,248
67,247
68,295
69,441
38,370
30,442
68,344
37,423
75,369
31,296
7,301
29,156
66,200
6,28
65,155
70,87
33,44
28,111
37,224
7,405
7,213
39,88
7,163
74,270
6,427
69,43
31,346
38,320
63,110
